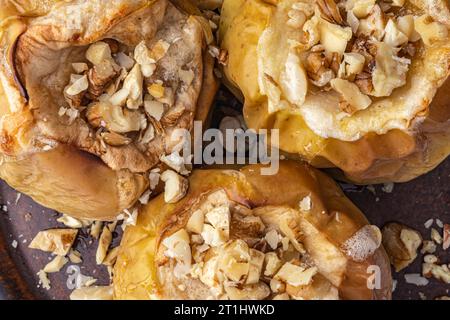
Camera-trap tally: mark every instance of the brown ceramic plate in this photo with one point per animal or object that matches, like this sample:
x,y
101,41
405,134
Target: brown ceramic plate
x,y
411,203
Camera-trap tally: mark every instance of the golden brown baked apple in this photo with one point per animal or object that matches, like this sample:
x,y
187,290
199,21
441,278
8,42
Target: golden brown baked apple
x,y
240,235
349,84
90,95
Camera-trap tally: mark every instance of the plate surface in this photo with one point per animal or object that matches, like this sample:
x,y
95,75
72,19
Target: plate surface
x,y
411,203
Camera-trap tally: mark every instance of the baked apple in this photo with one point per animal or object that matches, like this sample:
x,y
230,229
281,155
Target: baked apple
x,y
90,96
356,85
240,235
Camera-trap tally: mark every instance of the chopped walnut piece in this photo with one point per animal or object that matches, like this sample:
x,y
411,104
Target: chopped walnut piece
x,y
430,31
393,35
80,67
43,280
277,286
439,272
98,53
436,236
318,69
364,83
195,222
133,84
156,90
295,275
78,84
366,47
142,55
297,19
213,236
175,188
70,222
351,94
124,61
428,247
374,25
314,62
175,161
96,228
55,265
352,65
273,239
293,79
390,71
103,245
159,50
256,266
334,37
258,291
154,108
311,31
352,21
430,258
234,261
247,227
446,237
406,25
178,247
272,264
207,273
154,178
75,256
57,241
115,139
330,11
223,58
100,77
401,244
116,119
360,8
219,218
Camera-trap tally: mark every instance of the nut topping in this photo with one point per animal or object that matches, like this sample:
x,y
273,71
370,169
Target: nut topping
x,y
115,139
401,244
103,245
334,37
233,267
78,85
80,67
100,77
55,265
113,118
360,8
429,30
393,35
295,275
352,95
57,241
446,237
175,188
330,11
99,52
